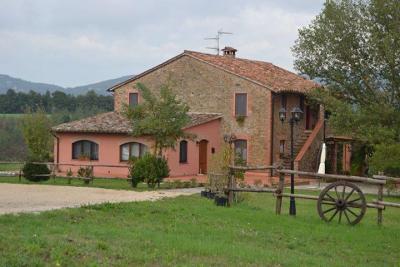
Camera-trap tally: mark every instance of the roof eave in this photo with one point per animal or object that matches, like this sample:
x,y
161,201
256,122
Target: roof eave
x,y
112,89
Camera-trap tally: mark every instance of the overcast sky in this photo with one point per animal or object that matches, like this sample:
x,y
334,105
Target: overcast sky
x,y
75,42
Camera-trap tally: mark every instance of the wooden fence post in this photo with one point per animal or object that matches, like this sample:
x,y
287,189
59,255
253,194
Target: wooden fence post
x,y
230,187
20,174
53,172
279,192
380,198
92,173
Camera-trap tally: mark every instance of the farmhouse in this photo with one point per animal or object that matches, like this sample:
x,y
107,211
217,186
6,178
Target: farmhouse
x,y
230,98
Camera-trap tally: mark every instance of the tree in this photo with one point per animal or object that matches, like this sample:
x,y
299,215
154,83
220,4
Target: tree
x,y
353,49
36,132
160,117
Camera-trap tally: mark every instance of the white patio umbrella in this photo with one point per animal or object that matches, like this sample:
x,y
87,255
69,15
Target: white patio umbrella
x,y
321,168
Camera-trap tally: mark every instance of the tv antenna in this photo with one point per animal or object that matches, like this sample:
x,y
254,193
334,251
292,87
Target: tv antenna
x,y
217,38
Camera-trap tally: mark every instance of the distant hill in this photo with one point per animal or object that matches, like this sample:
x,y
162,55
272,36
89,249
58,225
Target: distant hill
x,y
20,85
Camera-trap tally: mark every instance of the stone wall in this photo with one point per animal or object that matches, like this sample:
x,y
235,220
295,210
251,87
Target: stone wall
x,y
206,88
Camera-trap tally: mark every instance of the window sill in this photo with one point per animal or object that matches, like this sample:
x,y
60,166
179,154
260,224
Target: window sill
x,y
184,163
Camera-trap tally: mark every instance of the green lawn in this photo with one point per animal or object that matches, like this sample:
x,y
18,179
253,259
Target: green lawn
x,y
191,231
10,167
6,115
108,183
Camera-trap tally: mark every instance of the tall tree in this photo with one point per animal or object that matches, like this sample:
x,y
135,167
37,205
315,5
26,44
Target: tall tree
x,y
36,131
353,48
160,116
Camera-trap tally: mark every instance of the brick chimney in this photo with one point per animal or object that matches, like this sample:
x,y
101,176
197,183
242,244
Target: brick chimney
x,y
229,51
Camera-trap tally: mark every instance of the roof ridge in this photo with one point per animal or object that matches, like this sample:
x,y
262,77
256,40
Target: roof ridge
x,y
262,73
248,60
229,58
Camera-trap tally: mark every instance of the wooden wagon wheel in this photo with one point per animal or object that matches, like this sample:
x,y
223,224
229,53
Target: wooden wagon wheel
x,y
342,199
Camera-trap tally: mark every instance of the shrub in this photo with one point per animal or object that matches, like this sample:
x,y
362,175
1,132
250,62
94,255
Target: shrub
x,y
85,172
69,172
386,158
218,169
30,170
258,183
177,184
168,185
149,169
193,182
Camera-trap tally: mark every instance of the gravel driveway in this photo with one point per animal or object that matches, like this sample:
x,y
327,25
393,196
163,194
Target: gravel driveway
x,y
15,198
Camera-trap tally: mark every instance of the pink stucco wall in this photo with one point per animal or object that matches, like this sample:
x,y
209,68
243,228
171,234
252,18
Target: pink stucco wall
x,y
209,131
109,151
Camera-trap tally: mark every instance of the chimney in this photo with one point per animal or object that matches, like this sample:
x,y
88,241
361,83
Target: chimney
x,y
229,51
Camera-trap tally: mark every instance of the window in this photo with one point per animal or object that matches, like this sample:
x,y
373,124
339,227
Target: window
x,y
240,152
132,150
183,150
133,99
241,104
281,147
85,149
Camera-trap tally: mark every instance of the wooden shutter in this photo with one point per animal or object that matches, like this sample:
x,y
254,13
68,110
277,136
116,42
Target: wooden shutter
x,y
241,104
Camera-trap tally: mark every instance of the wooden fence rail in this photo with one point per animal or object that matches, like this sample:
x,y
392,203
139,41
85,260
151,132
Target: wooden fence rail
x,y
55,166
279,193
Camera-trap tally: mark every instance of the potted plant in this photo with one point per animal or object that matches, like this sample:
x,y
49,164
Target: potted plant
x,y
220,200
84,157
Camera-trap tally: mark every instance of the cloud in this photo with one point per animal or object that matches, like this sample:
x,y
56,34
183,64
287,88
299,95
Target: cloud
x,y
75,42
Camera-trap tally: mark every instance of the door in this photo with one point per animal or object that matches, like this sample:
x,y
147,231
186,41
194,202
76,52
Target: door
x,y
203,156
308,118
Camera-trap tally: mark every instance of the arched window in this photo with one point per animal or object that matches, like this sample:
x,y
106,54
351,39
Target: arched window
x,y
132,150
85,149
240,152
183,151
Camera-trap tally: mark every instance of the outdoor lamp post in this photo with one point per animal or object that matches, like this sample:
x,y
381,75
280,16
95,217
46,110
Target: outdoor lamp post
x,y
296,116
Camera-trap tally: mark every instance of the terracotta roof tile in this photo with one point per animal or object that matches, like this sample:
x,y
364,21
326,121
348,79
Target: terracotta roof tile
x,y
116,123
263,73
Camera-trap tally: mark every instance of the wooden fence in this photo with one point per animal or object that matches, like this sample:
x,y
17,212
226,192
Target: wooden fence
x,y
341,180
54,167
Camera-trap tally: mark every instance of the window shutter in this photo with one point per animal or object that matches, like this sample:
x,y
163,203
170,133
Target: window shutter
x,y
133,99
183,151
241,104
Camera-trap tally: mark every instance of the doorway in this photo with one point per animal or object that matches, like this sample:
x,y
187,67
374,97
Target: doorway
x,y
203,156
308,118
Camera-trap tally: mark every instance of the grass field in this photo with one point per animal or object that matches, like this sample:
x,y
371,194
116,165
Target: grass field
x,y
4,115
106,183
191,231
10,166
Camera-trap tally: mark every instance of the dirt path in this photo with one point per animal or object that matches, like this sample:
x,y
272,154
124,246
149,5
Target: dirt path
x,y
15,198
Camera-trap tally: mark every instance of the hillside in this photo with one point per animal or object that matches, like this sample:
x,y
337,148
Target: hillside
x,y
20,85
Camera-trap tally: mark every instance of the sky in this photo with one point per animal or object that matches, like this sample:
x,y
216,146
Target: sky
x,y
76,42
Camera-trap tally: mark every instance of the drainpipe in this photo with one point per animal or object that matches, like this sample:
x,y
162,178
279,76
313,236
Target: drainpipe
x,y
272,130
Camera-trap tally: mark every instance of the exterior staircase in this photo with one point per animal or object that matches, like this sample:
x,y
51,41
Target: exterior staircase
x,y
299,142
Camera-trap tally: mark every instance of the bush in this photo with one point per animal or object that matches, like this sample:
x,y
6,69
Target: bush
x,y
30,170
386,159
85,172
177,184
149,169
193,182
